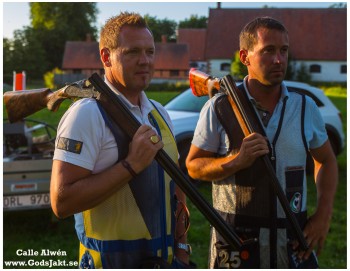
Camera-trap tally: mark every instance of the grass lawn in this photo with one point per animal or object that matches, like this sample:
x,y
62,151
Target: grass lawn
x,y
38,230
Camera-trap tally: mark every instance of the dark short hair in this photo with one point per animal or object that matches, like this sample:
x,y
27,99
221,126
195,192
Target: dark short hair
x,y
109,35
248,36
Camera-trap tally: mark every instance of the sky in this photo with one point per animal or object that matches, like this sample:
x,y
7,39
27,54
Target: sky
x,y
16,14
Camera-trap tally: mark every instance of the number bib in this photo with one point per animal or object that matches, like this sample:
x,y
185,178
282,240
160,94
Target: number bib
x,y
246,257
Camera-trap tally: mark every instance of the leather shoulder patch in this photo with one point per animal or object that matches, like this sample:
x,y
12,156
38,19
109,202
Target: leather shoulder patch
x,y
69,145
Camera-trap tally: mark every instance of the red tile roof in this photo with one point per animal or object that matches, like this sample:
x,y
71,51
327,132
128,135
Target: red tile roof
x,y
81,55
314,34
196,39
171,56
85,55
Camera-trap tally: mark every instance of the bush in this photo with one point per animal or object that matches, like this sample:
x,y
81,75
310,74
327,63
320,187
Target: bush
x,y
49,78
179,86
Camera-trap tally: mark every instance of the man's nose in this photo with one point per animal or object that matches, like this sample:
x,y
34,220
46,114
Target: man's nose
x,y
144,59
280,57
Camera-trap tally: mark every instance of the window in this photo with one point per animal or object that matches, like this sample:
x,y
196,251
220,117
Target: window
x,y
343,69
225,67
174,73
315,68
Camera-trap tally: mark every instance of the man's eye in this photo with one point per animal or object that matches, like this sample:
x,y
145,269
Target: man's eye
x,y
269,50
132,51
284,50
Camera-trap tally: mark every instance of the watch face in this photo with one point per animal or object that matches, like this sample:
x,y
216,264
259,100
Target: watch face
x,y
186,247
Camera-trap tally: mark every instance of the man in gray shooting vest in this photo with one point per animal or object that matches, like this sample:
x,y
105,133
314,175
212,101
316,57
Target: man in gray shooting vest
x,y
241,194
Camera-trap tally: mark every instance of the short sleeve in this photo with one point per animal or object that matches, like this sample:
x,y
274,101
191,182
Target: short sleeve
x,y
209,134
80,134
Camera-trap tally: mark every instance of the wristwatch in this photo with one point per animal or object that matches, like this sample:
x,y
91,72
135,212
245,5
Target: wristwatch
x,y
185,247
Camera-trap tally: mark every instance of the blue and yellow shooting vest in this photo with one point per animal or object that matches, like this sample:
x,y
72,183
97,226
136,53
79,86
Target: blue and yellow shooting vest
x,y
137,222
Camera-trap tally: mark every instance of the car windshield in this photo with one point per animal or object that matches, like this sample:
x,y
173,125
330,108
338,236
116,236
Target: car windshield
x,y
186,101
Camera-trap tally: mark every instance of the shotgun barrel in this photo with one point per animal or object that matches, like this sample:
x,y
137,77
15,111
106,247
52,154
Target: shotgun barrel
x,y
250,124
123,117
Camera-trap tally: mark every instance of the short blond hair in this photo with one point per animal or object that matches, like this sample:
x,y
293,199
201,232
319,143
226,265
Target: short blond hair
x,y
109,35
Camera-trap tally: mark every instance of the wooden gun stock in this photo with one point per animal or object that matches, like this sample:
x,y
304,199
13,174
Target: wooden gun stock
x,y
20,104
202,84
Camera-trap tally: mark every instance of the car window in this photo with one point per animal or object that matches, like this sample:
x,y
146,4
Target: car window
x,y
186,101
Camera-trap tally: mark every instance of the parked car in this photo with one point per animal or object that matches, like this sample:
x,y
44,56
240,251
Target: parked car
x,y
28,148
184,111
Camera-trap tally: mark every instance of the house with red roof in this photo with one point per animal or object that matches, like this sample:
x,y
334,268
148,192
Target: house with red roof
x,y
81,59
317,39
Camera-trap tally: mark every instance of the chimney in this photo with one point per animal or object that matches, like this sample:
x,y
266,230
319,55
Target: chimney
x,y
88,37
219,5
164,39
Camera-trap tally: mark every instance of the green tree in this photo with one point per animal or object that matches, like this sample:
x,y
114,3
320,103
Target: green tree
x,y
290,73
161,27
238,70
24,52
40,47
194,22
55,23
302,74
338,5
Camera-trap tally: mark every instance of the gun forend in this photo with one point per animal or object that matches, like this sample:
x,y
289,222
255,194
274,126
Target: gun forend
x,y
201,83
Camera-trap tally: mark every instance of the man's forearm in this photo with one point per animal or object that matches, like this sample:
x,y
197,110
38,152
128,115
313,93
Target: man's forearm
x,y
326,184
212,169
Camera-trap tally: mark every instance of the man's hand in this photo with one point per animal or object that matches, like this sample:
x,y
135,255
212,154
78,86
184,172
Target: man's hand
x,y
253,146
315,233
142,150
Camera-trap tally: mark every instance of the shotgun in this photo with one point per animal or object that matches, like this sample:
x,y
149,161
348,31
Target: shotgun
x,y
121,115
34,100
203,84
249,123
20,104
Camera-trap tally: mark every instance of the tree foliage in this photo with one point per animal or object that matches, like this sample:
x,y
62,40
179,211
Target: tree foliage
x,y
194,22
238,70
57,22
39,48
24,53
161,27
339,5
302,74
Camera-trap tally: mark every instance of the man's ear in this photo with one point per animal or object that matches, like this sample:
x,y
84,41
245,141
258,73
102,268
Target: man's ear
x,y
105,57
243,55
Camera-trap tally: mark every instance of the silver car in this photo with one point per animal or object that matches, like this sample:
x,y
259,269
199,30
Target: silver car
x,y
27,161
184,111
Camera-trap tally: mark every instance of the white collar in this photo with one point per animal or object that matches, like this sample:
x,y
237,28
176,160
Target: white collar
x,y
146,105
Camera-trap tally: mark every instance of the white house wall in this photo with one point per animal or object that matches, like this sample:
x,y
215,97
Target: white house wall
x,y
330,70
214,67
